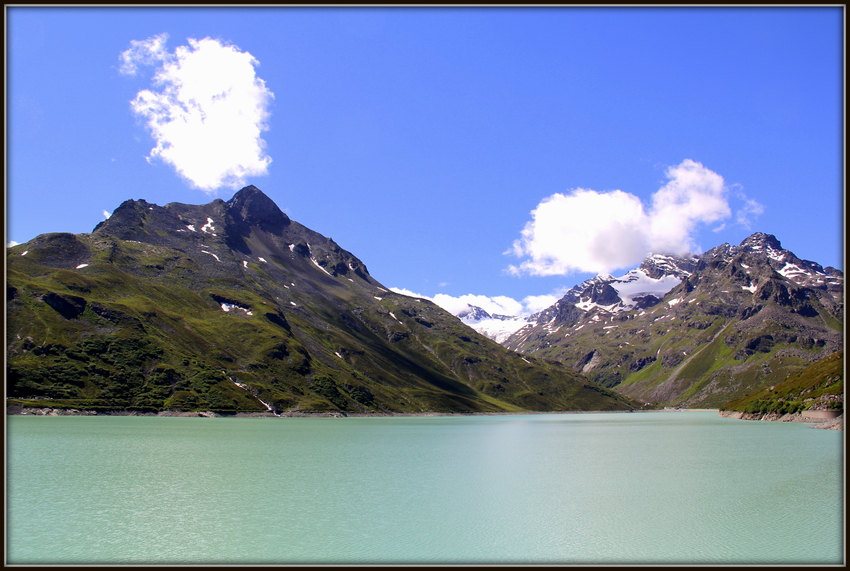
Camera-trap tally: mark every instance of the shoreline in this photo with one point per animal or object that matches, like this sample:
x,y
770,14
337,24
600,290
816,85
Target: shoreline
x,y
836,423
45,411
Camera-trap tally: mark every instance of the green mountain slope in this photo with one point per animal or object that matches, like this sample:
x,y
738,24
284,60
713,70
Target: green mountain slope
x,y
820,386
232,306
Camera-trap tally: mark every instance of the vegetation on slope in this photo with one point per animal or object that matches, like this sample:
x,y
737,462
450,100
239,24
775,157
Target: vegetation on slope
x,y
819,386
254,313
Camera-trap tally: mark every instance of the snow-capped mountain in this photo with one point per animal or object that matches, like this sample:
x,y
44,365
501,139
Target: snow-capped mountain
x,y
496,327
784,262
695,330
638,289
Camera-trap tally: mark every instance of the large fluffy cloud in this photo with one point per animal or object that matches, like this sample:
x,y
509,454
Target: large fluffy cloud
x,y
598,232
205,110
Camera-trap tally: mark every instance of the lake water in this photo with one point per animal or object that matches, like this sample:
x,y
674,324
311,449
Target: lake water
x,y
656,487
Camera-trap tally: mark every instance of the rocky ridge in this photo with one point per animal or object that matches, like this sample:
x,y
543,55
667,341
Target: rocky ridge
x,y
733,320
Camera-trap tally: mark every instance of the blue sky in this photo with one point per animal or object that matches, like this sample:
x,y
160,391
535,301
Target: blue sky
x,y
500,152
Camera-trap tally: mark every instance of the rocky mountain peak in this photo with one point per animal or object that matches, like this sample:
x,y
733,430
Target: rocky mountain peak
x,y
473,313
251,207
138,220
761,241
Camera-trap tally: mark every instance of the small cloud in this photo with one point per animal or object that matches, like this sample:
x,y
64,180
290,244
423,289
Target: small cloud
x,y
106,214
748,212
143,52
408,293
499,305
12,243
443,284
598,232
536,303
206,110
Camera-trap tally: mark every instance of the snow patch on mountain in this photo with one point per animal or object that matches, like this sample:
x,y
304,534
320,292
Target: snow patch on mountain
x,y
228,307
208,227
496,327
638,284
312,259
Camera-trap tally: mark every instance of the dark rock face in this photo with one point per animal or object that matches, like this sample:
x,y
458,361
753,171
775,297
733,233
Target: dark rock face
x,y
250,207
640,363
68,306
140,220
645,301
601,294
760,240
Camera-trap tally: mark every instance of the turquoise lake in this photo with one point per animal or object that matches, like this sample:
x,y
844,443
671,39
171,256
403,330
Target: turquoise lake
x,y
642,488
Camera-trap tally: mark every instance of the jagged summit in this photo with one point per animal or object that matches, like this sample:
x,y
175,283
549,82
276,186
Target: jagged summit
x,y
659,265
251,207
760,240
473,313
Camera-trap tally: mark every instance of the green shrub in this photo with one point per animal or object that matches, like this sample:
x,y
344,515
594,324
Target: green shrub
x,y
326,387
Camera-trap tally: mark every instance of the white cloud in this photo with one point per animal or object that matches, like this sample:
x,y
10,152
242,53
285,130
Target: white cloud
x,y
408,293
106,214
750,210
206,110
500,304
535,303
143,52
12,243
598,232
694,195
583,231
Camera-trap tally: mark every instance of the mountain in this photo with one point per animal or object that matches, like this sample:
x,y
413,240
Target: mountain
x,y
496,327
232,306
695,331
603,294
818,387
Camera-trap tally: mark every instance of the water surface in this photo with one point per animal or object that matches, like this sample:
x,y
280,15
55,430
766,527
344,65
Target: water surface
x,y
657,487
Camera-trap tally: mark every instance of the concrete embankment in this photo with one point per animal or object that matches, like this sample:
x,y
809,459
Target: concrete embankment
x,y
827,419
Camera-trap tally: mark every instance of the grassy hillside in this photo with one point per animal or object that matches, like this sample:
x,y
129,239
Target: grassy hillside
x,y
819,386
149,313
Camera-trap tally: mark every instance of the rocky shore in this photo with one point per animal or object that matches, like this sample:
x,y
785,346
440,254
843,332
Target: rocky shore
x,y
836,423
